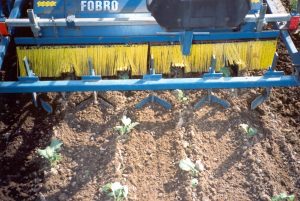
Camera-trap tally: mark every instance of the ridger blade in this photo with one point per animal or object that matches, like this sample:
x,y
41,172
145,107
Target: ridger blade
x,y
261,99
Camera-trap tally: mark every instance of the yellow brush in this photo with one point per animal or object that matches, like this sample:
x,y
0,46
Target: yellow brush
x,y
51,61
253,55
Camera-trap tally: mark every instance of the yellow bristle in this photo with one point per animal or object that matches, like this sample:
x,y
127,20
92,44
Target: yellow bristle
x,y
253,55
52,61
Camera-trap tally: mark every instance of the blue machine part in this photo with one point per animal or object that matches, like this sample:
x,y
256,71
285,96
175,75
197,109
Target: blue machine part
x,y
88,8
142,33
121,9
24,86
117,9
4,41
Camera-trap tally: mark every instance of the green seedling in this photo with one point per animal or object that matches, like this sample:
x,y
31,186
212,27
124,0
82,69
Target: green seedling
x,y
116,191
181,96
127,126
194,182
188,166
249,131
50,153
283,197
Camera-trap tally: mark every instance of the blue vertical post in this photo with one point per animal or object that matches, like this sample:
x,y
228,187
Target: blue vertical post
x,y
186,42
3,48
1,11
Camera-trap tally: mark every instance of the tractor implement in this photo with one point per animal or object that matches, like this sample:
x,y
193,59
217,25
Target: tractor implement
x,y
135,44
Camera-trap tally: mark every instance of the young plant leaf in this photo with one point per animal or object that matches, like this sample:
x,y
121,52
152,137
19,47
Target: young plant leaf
x,y
116,191
250,132
127,126
181,96
186,165
194,182
50,152
283,197
131,126
126,121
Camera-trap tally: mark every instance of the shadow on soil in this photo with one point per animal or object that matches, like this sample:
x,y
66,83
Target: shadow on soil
x,y
23,128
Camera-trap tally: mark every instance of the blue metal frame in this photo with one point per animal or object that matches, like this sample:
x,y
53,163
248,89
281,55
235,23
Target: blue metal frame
x,y
25,86
293,52
146,38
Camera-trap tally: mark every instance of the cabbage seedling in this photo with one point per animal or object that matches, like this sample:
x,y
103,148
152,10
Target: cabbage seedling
x,y
116,191
194,182
283,197
127,126
248,130
51,152
181,96
189,166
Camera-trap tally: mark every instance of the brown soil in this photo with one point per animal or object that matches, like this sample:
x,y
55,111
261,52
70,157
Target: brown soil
x,y
237,167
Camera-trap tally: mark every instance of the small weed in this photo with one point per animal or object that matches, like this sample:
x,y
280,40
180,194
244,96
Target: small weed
x,y
249,131
116,191
127,126
181,96
283,197
51,152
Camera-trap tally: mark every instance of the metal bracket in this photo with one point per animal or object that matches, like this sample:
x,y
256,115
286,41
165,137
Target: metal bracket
x,y
152,76
261,18
212,72
92,78
271,71
31,78
211,98
186,41
152,98
267,91
35,28
70,20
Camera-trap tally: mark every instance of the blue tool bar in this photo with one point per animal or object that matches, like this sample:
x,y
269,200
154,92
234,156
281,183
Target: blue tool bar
x,y
140,84
4,41
145,38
